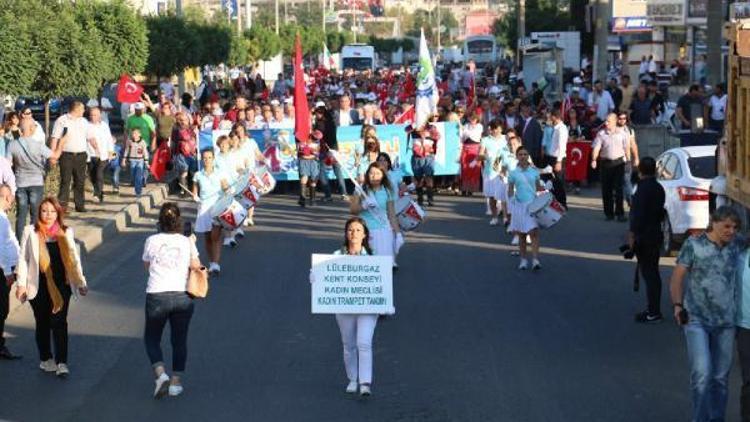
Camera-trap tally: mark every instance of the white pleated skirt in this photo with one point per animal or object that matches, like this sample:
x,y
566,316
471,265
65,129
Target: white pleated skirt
x,y
493,186
520,219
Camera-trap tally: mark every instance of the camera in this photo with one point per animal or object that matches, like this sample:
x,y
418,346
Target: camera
x,y
627,252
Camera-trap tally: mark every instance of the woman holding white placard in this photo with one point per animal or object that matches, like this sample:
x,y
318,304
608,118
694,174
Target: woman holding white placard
x,y
357,330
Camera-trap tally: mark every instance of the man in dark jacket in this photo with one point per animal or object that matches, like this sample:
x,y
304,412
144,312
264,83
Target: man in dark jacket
x,y
645,236
531,133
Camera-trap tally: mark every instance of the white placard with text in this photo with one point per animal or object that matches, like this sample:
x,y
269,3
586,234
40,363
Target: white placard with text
x,y
347,284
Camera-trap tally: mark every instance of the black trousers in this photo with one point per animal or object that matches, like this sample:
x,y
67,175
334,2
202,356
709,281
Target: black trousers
x,y
743,352
612,176
558,182
72,166
4,307
648,254
46,321
96,175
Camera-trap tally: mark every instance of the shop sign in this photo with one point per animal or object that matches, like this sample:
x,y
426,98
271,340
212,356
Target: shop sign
x,y
666,12
631,24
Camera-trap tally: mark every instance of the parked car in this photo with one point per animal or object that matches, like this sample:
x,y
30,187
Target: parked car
x,y
36,105
686,174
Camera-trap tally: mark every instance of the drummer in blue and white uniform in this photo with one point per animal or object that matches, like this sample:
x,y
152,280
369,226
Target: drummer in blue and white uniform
x,y
251,155
209,186
491,150
395,176
523,184
232,164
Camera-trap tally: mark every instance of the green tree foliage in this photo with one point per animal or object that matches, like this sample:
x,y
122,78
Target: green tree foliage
x,y
262,43
335,40
541,15
312,39
238,51
171,45
18,62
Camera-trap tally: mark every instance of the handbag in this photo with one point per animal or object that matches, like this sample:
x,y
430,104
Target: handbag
x,y
197,283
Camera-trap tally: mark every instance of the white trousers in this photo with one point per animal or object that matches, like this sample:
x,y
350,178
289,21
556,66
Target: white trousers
x,y
357,331
381,241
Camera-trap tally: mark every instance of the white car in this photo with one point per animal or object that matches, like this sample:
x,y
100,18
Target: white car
x,y
686,174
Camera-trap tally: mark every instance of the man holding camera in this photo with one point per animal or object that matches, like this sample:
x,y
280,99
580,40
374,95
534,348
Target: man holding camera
x,y
645,236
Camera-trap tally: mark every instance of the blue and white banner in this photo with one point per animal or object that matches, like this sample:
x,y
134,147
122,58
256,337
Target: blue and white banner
x,y
280,150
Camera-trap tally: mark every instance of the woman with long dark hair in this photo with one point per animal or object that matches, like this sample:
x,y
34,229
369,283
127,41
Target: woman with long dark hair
x,y
377,209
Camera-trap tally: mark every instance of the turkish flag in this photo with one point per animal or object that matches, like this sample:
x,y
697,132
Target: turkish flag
x,y
160,160
301,110
577,161
128,90
409,116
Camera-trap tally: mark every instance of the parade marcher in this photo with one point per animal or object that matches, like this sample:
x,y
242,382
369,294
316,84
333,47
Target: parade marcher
x,y
523,183
308,152
703,290
8,262
471,172
232,165
136,156
252,155
395,176
208,185
73,127
29,157
555,157
324,122
612,146
424,145
144,123
378,210
101,148
345,115
493,184
168,257
48,273
645,236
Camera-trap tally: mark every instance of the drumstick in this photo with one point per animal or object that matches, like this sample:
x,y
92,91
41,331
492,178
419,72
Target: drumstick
x,y
195,197
357,186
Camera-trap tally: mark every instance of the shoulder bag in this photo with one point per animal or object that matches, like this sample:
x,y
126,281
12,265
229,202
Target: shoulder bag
x,y
197,282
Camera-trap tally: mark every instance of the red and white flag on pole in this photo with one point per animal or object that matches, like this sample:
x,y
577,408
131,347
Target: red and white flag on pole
x,y
128,90
301,108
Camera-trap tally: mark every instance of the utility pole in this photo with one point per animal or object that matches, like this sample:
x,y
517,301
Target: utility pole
x,y
286,13
521,28
181,85
248,14
239,19
276,9
323,13
714,23
439,25
603,10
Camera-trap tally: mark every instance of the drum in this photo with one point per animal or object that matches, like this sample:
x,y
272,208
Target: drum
x,y
546,210
265,179
228,213
410,214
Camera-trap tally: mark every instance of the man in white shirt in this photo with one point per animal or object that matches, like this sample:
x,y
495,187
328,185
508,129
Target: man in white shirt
x,y
555,157
8,261
105,107
72,129
345,115
101,148
602,101
652,68
717,105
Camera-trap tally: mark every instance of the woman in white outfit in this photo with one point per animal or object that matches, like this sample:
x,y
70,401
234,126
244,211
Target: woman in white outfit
x,y
377,210
208,186
523,184
491,152
357,330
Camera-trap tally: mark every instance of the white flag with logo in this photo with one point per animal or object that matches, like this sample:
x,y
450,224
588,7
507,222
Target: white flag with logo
x,y
427,92
328,63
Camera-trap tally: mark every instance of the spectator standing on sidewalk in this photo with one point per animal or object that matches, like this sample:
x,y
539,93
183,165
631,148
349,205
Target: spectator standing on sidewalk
x,y
612,146
8,262
29,158
168,257
74,128
645,236
101,148
601,101
703,290
717,106
556,157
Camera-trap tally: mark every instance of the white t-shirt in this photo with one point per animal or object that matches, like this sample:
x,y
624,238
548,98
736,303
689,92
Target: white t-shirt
x,y
718,107
168,255
77,129
105,143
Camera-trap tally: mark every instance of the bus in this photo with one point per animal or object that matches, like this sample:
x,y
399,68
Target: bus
x,y
358,57
480,48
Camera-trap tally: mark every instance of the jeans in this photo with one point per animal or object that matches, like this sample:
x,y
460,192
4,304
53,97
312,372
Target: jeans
x,y
710,355
324,178
72,165
46,321
612,175
627,183
177,308
137,168
356,336
743,352
27,202
648,253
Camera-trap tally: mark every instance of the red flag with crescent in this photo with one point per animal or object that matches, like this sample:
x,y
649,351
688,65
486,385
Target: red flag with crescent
x,y
128,90
160,160
577,161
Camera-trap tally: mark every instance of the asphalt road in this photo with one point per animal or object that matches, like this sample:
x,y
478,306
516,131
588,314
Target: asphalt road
x,y
473,339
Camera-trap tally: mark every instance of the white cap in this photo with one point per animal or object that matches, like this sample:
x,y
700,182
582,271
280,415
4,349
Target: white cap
x,y
139,106
275,102
577,80
320,104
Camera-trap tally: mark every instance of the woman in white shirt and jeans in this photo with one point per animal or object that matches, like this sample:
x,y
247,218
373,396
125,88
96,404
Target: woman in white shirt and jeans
x,y
168,257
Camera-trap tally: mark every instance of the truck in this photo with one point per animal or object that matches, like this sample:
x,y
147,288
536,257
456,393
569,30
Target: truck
x,y
732,185
569,41
358,57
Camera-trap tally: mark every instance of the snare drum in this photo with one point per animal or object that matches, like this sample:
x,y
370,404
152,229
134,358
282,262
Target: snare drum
x,y
228,213
410,214
546,210
265,179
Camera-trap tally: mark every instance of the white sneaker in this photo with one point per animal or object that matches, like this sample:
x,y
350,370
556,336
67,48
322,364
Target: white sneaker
x,y
524,265
494,221
514,242
229,241
48,365
488,212
162,386
246,223
62,370
214,268
239,232
536,265
175,390
364,390
351,388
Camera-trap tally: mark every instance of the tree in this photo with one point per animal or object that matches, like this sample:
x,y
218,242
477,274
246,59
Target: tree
x,y
18,65
262,43
541,15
